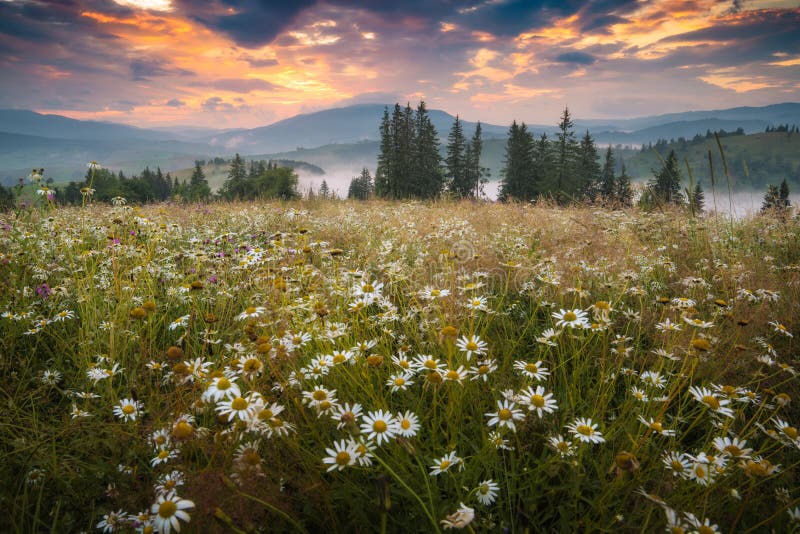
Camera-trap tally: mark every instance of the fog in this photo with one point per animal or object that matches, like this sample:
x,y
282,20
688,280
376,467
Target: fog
x,y
743,203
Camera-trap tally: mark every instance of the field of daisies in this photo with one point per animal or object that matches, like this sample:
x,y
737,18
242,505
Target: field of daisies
x,y
328,366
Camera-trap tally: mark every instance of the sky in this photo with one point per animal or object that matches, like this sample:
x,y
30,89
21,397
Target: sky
x,y
248,63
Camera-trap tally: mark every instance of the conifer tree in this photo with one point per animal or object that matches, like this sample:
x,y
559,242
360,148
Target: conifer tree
x,y
666,184
198,185
771,198
518,164
472,155
361,187
427,178
588,169
235,185
698,199
624,189
565,163
783,195
608,185
324,190
455,162
384,157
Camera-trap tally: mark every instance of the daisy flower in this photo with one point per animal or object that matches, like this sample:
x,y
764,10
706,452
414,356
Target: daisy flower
x,y
456,375
711,401
499,442
677,462
168,509
476,304
221,387
697,323
585,430
399,381
787,433
242,408
563,447
346,414
668,326
675,522
538,400
548,337
482,369
319,397
379,425
113,521
169,481
780,328
425,362
431,293
653,379
733,447
445,463
472,345
486,492
407,424
343,454
704,527
252,312
163,456
537,370
656,426
575,318
128,409
460,518
507,412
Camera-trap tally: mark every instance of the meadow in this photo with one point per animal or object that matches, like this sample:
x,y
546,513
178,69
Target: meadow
x,y
338,366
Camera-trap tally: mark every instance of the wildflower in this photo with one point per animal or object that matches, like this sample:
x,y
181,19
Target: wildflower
x,y
675,523
585,430
168,509
319,397
656,426
486,492
548,337
239,407
537,400
163,456
460,518
703,527
732,447
787,433
180,322
759,467
221,387
780,328
482,369
653,379
683,302
668,326
380,426
113,521
506,414
128,409
399,381
345,415
456,375
430,293
472,345
639,394
252,312
445,463
537,370
563,447
407,424
476,304
424,362
342,454
575,318
499,442
711,401
50,377
169,481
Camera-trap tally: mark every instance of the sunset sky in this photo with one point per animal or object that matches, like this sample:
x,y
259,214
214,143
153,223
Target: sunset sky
x,y
247,63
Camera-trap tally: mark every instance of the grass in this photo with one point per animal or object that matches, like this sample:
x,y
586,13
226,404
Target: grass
x,y
169,312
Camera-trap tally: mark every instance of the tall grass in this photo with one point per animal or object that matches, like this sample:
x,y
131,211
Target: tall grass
x,y
314,305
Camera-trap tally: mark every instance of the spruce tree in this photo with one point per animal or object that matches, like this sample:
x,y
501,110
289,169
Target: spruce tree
x,y
666,184
475,173
324,190
588,170
698,199
771,198
384,157
624,189
783,195
566,185
198,185
515,184
608,182
455,164
427,179
235,185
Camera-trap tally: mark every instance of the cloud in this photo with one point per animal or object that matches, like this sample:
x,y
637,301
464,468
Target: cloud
x,y
216,103
581,58
149,67
242,85
250,23
175,103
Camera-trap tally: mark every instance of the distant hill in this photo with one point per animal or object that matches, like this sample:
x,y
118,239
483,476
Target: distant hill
x,y
754,161
25,122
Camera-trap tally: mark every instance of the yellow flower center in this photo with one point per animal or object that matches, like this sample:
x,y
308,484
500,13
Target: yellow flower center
x,y
711,402
790,431
182,430
379,426
405,424
453,374
471,345
676,466
251,365
338,358
705,529
444,464
733,450
700,471
657,426
343,458
250,310
163,454
435,292
128,409
367,288
430,364
251,457
223,384
586,430
167,509
239,404
504,414
537,400
531,367
570,316
319,395
483,369
563,446
399,381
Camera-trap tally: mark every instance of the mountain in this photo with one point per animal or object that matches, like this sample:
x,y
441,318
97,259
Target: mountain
x,y
25,122
340,125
